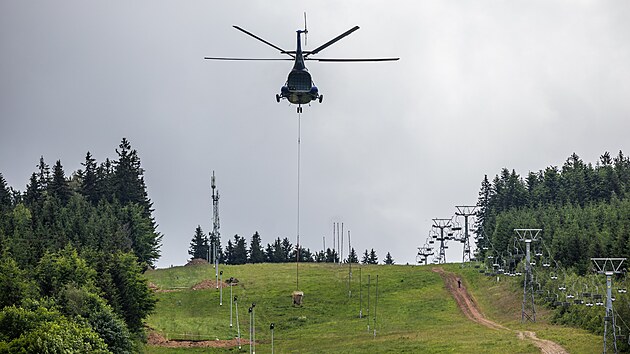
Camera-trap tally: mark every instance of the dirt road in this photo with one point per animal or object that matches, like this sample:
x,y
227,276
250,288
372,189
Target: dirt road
x,y
470,309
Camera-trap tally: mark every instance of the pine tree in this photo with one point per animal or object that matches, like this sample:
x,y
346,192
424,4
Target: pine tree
x,y
240,250
128,180
5,194
287,247
58,186
256,253
352,257
275,252
389,259
373,259
33,195
43,177
105,180
269,253
199,245
331,256
229,253
305,255
89,180
366,258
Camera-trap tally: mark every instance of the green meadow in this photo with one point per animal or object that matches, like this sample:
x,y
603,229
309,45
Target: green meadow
x,y
413,313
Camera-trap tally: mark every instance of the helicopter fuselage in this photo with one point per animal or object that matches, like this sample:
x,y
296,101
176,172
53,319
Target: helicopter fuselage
x,y
299,88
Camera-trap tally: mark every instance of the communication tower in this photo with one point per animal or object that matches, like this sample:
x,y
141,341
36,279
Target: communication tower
x,y
215,227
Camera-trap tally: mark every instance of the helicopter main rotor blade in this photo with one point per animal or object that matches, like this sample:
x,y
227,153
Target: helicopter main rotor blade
x,y
344,60
246,59
260,39
330,42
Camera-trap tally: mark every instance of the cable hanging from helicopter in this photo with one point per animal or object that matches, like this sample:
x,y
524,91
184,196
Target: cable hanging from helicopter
x,y
299,88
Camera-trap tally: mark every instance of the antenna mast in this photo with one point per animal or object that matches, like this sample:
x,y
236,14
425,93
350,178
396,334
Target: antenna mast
x,y
215,226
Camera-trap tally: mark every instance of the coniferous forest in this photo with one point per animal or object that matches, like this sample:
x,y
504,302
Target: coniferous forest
x,y
583,211
74,247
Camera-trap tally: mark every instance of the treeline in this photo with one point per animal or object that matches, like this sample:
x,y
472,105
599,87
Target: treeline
x,y
279,251
584,210
73,252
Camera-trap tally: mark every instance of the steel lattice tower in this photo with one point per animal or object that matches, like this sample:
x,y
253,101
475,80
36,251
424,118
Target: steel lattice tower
x,y
441,224
215,226
466,211
528,310
424,253
608,267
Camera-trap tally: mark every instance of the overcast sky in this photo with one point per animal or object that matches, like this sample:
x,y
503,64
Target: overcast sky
x,y
480,85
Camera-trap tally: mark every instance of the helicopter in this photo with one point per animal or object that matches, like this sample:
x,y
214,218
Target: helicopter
x,y
299,88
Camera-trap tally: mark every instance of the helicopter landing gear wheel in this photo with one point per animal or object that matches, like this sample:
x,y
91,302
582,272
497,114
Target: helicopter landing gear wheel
x,y
321,98
277,98
299,109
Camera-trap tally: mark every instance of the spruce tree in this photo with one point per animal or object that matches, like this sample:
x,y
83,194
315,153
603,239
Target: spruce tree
x,y
287,247
199,245
389,259
5,194
373,259
256,252
105,180
269,253
229,253
352,257
89,180
331,256
240,250
128,180
366,257
58,186
43,177
33,195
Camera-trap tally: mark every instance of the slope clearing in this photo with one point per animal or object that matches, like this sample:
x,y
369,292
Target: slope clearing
x,y
414,313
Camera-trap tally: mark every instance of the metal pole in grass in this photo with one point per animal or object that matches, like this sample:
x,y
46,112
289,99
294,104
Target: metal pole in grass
x,y
221,290
250,331
238,327
368,306
375,305
253,328
349,267
271,328
231,300
360,294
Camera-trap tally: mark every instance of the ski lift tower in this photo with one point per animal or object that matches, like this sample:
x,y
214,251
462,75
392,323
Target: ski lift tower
x,y
528,310
608,267
441,224
215,227
466,211
423,254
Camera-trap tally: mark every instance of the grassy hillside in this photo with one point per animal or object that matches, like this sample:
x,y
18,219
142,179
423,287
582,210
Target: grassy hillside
x,y
415,313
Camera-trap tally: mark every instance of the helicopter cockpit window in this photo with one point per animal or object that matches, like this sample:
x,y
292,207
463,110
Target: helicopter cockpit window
x,y
299,81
